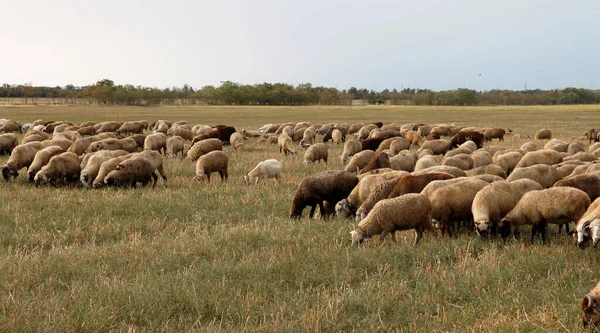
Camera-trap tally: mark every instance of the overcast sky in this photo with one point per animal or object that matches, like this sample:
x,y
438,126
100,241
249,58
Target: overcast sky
x,y
374,44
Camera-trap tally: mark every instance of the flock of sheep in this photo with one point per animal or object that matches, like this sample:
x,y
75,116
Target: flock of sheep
x,y
396,177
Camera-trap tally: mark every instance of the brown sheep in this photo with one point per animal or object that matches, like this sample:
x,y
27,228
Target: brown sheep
x,y
372,144
543,134
359,161
589,183
590,305
130,172
109,126
61,168
464,136
414,138
494,133
87,130
378,161
8,142
215,161
21,157
416,183
331,186
186,134
11,126
41,158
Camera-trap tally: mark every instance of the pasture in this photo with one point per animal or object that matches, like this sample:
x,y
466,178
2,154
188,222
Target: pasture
x,y
226,257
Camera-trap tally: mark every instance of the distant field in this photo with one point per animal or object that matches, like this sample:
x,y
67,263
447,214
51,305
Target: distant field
x,y
226,257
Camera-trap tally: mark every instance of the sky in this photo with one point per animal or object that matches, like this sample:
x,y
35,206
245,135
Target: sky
x,y
373,44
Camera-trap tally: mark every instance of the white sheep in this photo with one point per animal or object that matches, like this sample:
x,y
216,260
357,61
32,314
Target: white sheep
x,y
266,169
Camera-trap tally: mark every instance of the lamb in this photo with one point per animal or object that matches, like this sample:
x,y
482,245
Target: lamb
x,y
315,153
331,186
8,142
453,202
558,205
544,174
236,140
410,211
91,168
284,142
494,133
266,169
589,183
41,158
21,157
590,308
544,156
494,201
351,147
543,134
359,161
60,169
214,161
487,170
378,161
156,141
439,146
106,168
130,172
461,161
175,145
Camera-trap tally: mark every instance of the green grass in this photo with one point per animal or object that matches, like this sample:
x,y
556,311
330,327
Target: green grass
x,y
226,257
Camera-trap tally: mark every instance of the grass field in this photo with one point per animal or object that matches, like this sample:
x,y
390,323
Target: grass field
x,y
226,257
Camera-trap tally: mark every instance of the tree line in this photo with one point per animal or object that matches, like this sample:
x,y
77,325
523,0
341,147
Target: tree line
x,y
231,93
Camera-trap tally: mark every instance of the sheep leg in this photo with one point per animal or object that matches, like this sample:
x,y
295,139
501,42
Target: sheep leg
x,y
312,211
322,210
394,236
533,232
383,234
161,170
418,235
544,231
155,180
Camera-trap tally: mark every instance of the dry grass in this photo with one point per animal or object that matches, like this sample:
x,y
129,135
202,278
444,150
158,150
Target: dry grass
x,y
225,257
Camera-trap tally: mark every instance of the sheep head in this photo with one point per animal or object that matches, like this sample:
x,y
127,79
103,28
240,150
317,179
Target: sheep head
x,y
482,228
591,313
41,179
504,227
358,235
247,179
343,209
586,231
9,171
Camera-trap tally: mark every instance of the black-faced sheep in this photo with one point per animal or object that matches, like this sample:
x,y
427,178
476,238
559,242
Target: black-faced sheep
x,y
331,186
215,161
21,157
410,211
41,158
558,205
8,142
60,169
266,169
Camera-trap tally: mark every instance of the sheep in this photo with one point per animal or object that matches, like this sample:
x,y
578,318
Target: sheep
x,y
130,172
380,192
456,172
87,130
413,138
79,146
507,161
404,161
410,211
109,126
558,205
364,131
464,136
481,158
8,142
41,158
161,127
91,168
459,150
453,202
284,142
424,152
590,308
399,144
131,127
266,169
175,145
11,126
588,226
494,133
461,161
60,169
359,161
315,153
21,157
416,183
156,161
351,147
106,167
365,187
308,136
331,186
378,161
487,170
113,144
236,140
214,161
575,147
156,141
558,145
566,170
372,144
581,156
544,156
543,134
528,147
34,135
589,183
592,135
544,174
494,201
425,162
185,133
439,147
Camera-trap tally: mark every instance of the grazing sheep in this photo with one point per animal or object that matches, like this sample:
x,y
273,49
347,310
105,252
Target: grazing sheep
x,y
109,126
404,161
481,158
423,153
21,157
106,167
34,135
558,145
461,161
590,307
87,130
131,127
544,174
185,133
494,201
308,136
487,170
236,140
558,205
459,150
365,187
380,192
588,226
438,147
91,168
372,144
359,161
156,141
416,183
112,144
175,145
464,136
331,186
378,161
79,146
203,147
543,134
528,147
494,133
425,162
131,171
507,161
410,211
284,142
156,161
61,168
385,145
266,169
413,138
575,147
8,142
456,172
398,145
589,183
544,156
41,158
351,147
592,135
316,153
453,202
214,161
11,126
581,156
